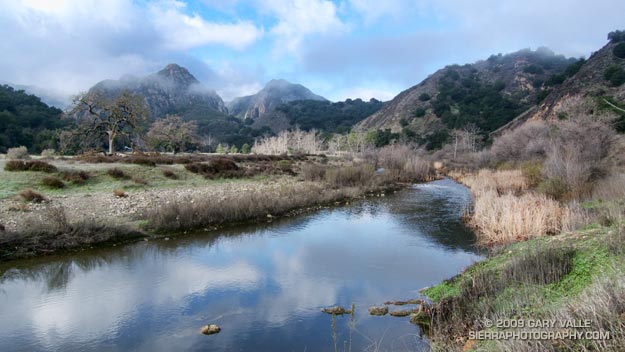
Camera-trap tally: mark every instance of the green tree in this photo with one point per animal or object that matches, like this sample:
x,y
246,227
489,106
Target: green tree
x,y
113,117
245,149
220,149
233,150
619,50
173,133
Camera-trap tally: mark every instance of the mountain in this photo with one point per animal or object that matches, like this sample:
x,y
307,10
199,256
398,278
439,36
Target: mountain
x,y
50,97
276,92
26,121
597,88
172,90
487,94
321,115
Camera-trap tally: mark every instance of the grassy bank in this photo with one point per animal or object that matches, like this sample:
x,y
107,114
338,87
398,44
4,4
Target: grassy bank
x,y
550,259
571,276
79,204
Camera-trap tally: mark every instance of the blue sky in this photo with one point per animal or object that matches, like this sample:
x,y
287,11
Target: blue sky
x,y
339,49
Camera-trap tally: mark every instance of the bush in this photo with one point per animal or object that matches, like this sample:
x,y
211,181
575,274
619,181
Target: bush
x,y
120,193
31,196
31,165
350,176
139,180
526,143
76,177
52,182
48,153
313,172
555,188
540,267
18,153
117,174
619,50
424,97
615,75
532,171
419,112
170,174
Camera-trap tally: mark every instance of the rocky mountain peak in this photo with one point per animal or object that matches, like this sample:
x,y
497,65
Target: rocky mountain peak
x,y
177,74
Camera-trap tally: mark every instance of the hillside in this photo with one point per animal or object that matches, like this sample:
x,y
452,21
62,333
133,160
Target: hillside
x,y
26,121
487,94
321,115
275,93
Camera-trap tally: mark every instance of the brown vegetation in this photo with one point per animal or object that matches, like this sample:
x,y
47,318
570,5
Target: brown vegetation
x,y
76,177
31,196
117,173
29,165
120,193
52,182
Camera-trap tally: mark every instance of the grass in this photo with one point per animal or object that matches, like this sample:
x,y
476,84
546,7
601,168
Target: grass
x,y
543,278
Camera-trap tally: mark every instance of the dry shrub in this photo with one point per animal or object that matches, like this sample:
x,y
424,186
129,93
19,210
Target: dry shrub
x,y
540,267
48,153
404,164
528,142
509,218
313,172
394,156
30,165
120,193
217,168
170,174
196,213
350,176
52,182
31,196
76,177
18,153
117,174
501,181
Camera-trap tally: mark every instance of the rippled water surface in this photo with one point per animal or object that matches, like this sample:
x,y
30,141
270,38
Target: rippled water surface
x,y
264,284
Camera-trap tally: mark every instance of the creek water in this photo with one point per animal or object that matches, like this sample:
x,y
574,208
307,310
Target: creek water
x,y
264,285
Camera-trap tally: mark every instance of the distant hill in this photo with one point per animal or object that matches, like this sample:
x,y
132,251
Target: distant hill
x,y
596,87
321,115
487,94
26,121
275,93
174,90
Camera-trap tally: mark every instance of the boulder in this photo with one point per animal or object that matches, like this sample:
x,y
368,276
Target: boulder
x,y
210,329
378,310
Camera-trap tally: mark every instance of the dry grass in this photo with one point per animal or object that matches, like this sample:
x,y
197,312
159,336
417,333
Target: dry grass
x,y
52,182
504,212
29,165
197,213
120,193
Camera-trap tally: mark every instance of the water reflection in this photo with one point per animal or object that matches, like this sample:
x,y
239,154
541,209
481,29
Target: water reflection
x,y
263,284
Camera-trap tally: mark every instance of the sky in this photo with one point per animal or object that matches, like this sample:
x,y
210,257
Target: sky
x,y
338,49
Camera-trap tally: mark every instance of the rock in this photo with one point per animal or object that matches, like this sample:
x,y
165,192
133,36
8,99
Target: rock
x,y
400,313
336,310
403,303
378,310
210,329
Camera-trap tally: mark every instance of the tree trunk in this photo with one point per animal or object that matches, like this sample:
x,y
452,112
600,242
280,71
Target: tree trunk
x,y
111,143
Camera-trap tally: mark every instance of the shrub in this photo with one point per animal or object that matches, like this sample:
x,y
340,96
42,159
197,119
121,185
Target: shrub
x,y
419,112
18,153
48,153
286,166
403,122
143,160
52,182
170,174
139,180
30,165
350,176
532,171
120,193
76,177
424,97
619,50
555,188
528,142
540,266
313,172
615,75
31,196
117,174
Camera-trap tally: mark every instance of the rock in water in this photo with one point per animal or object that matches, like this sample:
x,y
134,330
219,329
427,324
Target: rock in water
x,y
210,329
400,313
336,310
378,310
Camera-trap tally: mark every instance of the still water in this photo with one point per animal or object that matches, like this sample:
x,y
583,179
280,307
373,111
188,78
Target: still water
x,y
264,285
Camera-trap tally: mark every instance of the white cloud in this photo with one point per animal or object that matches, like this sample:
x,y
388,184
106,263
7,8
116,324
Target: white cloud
x,y
366,93
181,31
298,19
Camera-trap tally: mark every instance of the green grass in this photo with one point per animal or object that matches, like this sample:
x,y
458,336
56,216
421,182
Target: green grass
x,y
593,259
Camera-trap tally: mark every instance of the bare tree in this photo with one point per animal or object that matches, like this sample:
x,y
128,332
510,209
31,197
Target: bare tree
x,y
173,133
112,117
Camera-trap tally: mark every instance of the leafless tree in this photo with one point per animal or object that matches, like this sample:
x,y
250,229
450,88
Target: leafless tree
x,y
173,133
113,117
